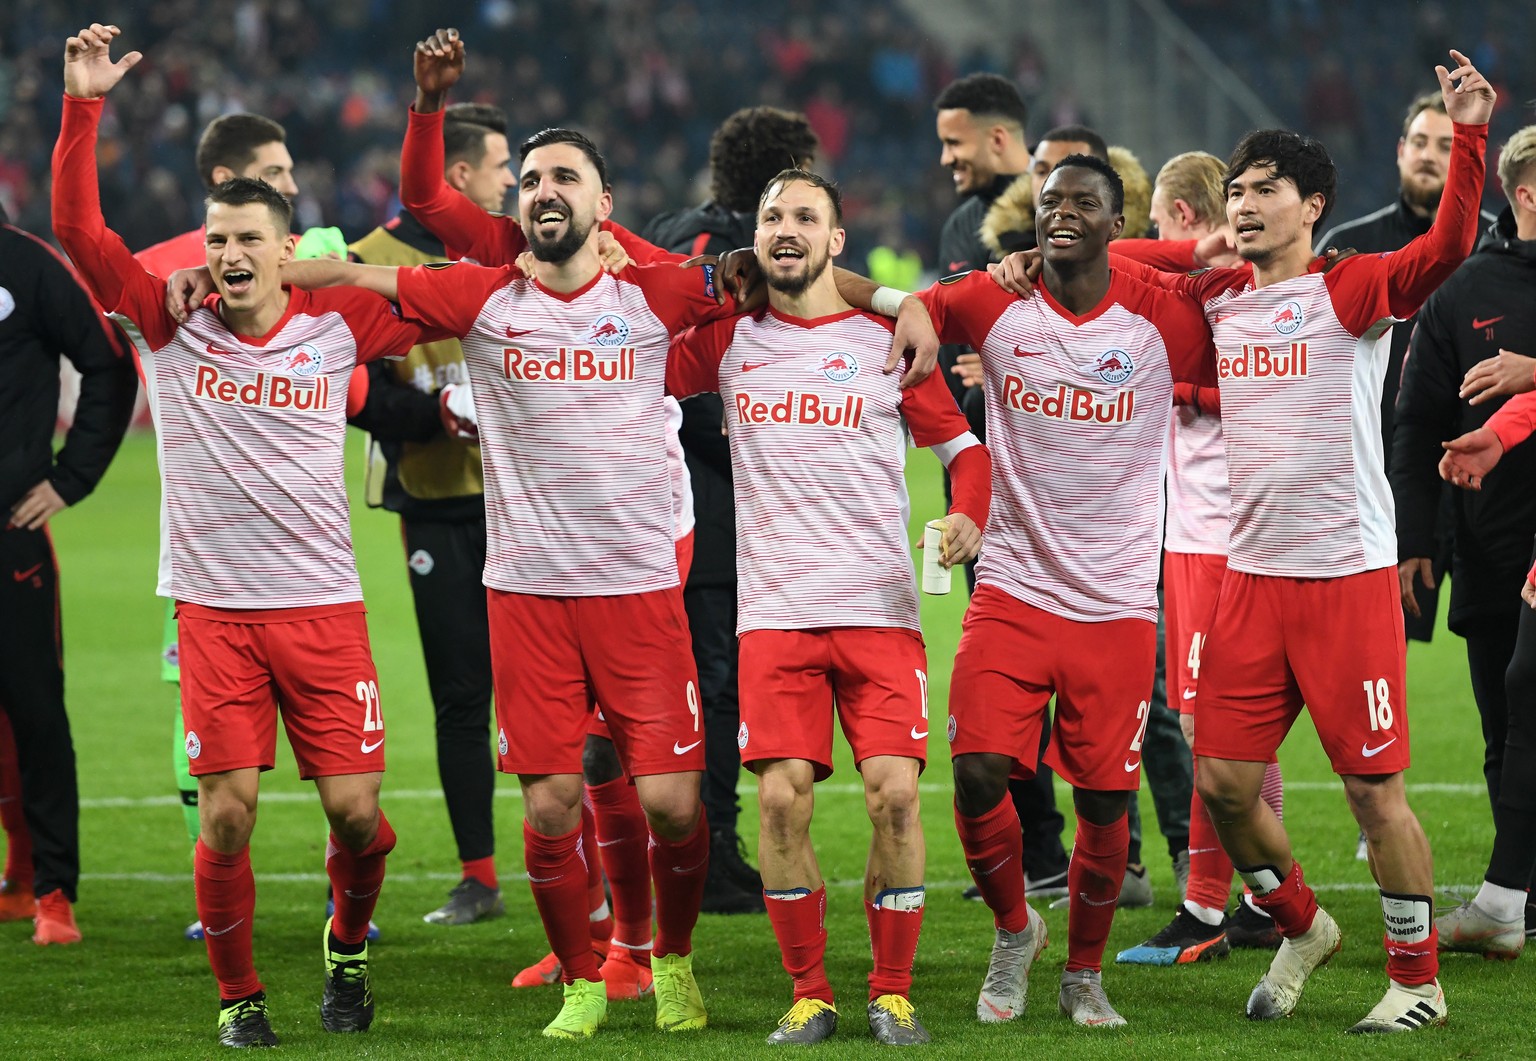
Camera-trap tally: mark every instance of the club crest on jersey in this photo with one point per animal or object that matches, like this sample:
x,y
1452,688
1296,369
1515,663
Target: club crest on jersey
x,y
1113,366
839,367
303,361
1287,319
741,736
610,330
194,746
501,741
954,727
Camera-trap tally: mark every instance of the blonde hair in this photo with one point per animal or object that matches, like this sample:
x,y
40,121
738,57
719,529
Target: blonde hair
x,y
1516,158
1196,177
1138,192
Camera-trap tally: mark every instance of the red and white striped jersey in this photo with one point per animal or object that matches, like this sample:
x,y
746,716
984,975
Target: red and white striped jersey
x,y
1078,409
1300,365
1199,499
574,434
818,435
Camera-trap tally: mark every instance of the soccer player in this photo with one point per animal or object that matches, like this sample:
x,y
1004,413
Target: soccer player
x,y
1079,387
44,312
247,397
1309,611
1188,203
828,607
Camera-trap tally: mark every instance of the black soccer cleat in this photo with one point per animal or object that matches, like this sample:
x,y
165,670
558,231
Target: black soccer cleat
x,y
244,1023
346,1005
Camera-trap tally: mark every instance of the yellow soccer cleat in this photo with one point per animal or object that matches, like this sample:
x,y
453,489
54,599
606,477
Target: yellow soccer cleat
x,y
585,1009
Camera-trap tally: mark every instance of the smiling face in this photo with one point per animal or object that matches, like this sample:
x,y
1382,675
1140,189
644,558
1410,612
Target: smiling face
x,y
561,200
1268,215
245,253
797,236
1075,217
964,149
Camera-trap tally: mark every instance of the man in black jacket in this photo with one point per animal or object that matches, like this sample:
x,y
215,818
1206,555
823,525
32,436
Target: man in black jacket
x,y
44,312
1462,365
748,149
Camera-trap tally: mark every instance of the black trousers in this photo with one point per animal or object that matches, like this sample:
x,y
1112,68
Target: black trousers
x,y
447,562
1514,816
32,696
712,622
1490,646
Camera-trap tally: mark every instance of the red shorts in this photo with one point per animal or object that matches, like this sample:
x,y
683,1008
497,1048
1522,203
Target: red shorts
x,y
1191,583
236,677
597,725
1013,656
553,658
790,679
1335,644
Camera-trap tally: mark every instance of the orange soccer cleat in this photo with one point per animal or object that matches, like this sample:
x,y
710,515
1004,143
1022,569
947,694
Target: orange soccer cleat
x,y
55,920
17,902
627,978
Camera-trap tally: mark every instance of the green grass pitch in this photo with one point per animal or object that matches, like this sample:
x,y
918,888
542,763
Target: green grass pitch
x,y
136,988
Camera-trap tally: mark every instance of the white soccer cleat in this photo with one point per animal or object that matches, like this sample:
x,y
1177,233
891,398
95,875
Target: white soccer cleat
x,y
1471,928
1083,999
1405,1009
1004,993
1298,958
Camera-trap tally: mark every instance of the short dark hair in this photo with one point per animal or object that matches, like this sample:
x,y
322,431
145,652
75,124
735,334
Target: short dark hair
x,y
1103,169
1078,134
751,146
231,141
815,180
1302,160
985,95
464,129
243,191
548,137
1430,101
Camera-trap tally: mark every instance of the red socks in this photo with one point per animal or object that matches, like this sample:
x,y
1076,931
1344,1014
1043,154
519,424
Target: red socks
x,y
678,871
1411,938
994,851
356,877
558,877
893,933
599,917
482,870
799,920
226,904
18,838
1287,899
622,840
1094,876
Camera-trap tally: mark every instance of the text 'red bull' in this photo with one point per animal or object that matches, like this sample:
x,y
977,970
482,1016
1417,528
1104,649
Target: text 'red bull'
x,y
573,365
267,391
1261,362
802,407
1072,404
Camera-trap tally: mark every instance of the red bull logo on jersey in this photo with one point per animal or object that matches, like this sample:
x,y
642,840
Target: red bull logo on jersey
x,y
1113,366
1287,319
266,390
802,407
1261,362
609,330
1072,404
303,361
570,365
839,367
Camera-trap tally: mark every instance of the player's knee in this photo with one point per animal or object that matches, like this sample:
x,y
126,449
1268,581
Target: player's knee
x,y
672,810
893,805
354,823
600,761
979,784
781,806
226,825
1224,799
1100,808
1377,803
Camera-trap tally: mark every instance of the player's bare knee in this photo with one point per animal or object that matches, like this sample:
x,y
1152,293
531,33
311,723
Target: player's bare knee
x,y
784,802
1100,808
551,805
354,824
1225,799
226,825
600,761
981,783
892,803
1378,803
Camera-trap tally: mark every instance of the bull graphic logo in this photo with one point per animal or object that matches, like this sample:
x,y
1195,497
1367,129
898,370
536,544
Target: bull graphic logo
x,y
609,330
194,745
1287,319
839,367
303,361
1113,366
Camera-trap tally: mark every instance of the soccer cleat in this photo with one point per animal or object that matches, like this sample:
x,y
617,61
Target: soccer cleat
x,y
729,852
1183,940
1249,928
54,921
468,902
1470,928
809,1021
1405,1009
541,973
1083,999
584,1010
893,1023
330,911
1136,890
1181,873
17,903
1045,886
194,932
346,1004
1005,991
244,1023
1298,958
626,977
679,1004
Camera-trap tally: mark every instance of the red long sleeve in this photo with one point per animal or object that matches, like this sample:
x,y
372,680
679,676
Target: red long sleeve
x,y
970,477
1515,421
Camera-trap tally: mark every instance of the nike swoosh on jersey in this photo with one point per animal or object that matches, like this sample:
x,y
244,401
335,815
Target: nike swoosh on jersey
x,y
22,576
1132,767
1188,694
749,367
1367,751
918,736
367,748
218,353
683,749
1019,351
1490,322
517,334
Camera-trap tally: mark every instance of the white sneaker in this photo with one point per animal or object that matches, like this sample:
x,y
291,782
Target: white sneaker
x,y
1004,993
1298,958
1135,890
1471,928
1405,1009
1082,998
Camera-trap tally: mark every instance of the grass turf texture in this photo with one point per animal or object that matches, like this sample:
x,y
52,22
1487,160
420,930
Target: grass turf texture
x,y
135,987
